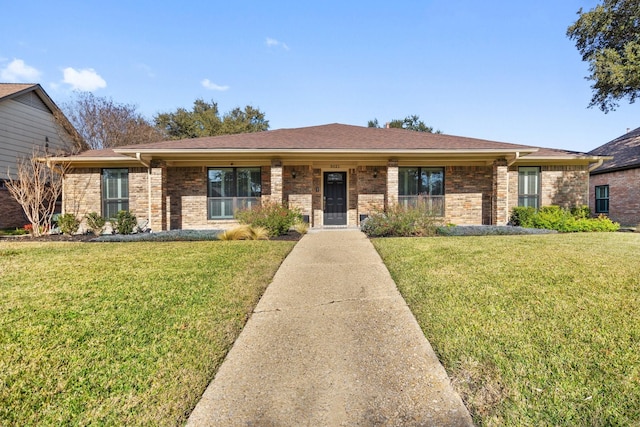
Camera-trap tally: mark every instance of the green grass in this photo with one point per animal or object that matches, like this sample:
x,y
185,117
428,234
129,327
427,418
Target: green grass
x,y
533,330
121,333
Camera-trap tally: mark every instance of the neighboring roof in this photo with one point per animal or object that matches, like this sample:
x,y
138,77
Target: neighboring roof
x,y
332,138
625,151
7,89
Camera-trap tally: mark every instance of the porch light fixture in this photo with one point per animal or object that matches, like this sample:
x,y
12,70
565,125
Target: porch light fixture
x,y
375,172
294,174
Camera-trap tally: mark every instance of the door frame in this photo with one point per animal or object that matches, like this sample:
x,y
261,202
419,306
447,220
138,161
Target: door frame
x,y
346,194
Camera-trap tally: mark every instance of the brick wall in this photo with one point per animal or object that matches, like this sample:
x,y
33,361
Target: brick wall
x,y
139,193
187,198
468,192
298,191
11,213
81,193
624,195
565,186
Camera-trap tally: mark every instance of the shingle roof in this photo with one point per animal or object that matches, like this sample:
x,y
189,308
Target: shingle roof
x,y
330,137
7,89
625,151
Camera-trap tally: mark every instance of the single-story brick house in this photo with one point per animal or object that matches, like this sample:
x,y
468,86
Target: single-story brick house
x,y
615,186
336,174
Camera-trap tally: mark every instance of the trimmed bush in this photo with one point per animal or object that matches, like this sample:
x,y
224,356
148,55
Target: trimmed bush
x,y
563,220
277,218
521,216
400,221
68,223
125,222
95,223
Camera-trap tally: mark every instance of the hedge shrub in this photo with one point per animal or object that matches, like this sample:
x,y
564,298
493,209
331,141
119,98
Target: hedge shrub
x,y
400,221
564,220
277,218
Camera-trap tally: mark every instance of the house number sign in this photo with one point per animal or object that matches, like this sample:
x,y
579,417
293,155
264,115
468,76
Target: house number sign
x,y
334,166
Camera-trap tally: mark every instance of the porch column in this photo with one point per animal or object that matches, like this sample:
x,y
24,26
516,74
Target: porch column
x,y
276,181
392,182
158,214
500,196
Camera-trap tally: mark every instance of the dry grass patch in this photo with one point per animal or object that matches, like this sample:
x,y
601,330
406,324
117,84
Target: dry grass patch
x,y
534,330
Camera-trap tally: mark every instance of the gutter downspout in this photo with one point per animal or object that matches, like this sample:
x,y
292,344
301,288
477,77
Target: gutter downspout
x,y
147,164
596,165
515,159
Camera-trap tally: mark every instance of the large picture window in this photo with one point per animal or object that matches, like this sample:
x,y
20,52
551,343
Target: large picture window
x,y
231,189
529,186
115,192
422,185
602,199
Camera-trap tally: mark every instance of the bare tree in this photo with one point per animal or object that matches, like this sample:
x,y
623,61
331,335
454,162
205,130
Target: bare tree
x,y
36,188
103,123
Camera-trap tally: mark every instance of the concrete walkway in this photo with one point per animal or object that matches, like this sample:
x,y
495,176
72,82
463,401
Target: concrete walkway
x,y
331,343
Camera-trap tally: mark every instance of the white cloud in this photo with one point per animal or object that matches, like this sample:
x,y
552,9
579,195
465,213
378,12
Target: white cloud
x,y
85,80
275,43
208,84
17,71
145,69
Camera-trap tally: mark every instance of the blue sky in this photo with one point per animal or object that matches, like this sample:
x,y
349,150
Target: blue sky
x,y
498,70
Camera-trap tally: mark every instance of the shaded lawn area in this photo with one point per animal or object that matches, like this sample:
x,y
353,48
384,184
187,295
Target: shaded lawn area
x,y
121,333
533,330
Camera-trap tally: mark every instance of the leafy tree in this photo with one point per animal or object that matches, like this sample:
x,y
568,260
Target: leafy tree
x,y
410,123
608,38
205,120
103,123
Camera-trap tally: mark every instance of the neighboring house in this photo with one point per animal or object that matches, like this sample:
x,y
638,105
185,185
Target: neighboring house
x,y
26,123
335,174
615,186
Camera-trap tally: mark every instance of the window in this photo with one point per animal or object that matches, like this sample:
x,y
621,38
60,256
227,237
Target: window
x,y
115,191
417,185
231,189
529,186
602,199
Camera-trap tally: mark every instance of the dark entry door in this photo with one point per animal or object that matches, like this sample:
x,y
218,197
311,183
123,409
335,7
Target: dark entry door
x,y
335,198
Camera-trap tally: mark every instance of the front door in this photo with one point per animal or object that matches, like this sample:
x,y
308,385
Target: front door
x,y
335,198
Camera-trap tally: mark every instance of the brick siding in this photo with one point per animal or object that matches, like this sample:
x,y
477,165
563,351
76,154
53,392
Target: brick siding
x,y
468,194
566,186
624,195
12,215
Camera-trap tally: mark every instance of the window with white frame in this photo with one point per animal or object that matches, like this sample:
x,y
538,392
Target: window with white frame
x,y
529,186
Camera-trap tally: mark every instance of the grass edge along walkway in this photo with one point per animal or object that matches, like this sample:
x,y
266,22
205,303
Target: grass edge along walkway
x,y
121,333
534,330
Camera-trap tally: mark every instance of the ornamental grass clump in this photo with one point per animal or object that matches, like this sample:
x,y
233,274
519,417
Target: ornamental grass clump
x,y
277,218
244,232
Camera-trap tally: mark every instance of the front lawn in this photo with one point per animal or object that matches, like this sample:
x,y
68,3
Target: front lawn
x,y
121,333
533,330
